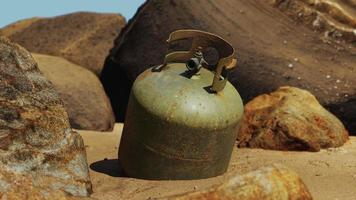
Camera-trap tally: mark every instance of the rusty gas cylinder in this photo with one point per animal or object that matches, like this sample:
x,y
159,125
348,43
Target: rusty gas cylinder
x,y
182,119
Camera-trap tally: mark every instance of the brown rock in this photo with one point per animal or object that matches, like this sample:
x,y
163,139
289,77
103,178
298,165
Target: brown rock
x,y
36,139
266,40
17,27
83,95
83,38
289,119
335,19
274,182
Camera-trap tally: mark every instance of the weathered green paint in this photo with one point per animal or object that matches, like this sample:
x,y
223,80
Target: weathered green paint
x,y
176,129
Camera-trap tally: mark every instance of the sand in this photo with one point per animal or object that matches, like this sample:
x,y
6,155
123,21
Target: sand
x,y
329,174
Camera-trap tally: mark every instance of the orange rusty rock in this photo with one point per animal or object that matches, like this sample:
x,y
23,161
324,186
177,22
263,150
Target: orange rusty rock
x,y
289,119
274,182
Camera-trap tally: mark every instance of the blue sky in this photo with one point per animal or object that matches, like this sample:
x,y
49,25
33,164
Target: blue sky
x,y
14,10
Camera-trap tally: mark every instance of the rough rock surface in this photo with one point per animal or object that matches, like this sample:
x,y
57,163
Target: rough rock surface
x,y
83,38
336,19
81,91
273,50
36,139
21,187
289,119
274,182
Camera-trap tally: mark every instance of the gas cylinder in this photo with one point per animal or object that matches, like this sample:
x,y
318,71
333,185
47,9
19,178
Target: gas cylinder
x,y
182,119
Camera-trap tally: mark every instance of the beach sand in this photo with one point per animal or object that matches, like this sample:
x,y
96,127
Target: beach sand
x,y
329,174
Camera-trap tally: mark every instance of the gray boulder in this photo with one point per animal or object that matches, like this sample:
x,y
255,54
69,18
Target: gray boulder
x,y
37,143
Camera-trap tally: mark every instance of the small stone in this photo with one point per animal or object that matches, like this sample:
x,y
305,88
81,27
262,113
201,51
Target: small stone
x,y
285,42
335,87
328,76
290,65
317,23
338,81
195,187
296,59
299,78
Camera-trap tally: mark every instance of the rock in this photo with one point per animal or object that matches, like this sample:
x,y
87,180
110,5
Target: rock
x,y
289,119
83,38
36,140
22,188
274,182
266,41
17,27
83,95
335,19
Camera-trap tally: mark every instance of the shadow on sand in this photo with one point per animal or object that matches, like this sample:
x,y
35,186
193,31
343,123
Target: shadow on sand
x,y
109,167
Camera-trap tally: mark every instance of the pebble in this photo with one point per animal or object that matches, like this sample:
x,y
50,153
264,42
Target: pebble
x,y
299,78
296,59
290,65
285,42
195,187
328,76
338,81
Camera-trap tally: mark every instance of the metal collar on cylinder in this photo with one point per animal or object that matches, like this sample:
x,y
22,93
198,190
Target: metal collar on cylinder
x,y
202,40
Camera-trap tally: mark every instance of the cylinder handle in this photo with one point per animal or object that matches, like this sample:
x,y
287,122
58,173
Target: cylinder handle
x,y
200,41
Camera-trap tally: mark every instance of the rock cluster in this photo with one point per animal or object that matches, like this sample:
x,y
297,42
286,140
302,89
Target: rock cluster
x,y
81,91
289,119
274,182
37,147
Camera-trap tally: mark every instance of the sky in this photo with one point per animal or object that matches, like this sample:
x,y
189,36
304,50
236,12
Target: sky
x,y
14,10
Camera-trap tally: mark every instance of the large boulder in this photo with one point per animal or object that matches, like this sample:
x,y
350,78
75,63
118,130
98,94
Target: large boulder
x,y
272,50
83,38
274,182
83,95
289,119
36,139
